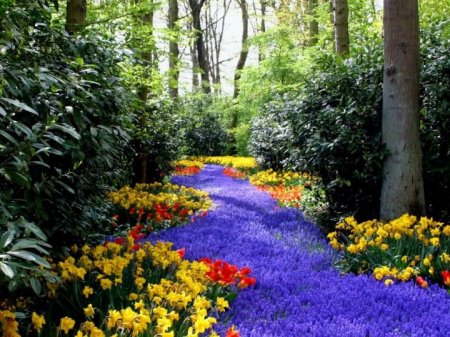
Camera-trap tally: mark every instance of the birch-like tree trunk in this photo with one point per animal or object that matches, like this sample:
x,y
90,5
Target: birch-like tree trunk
x,y
402,188
244,49
174,50
341,36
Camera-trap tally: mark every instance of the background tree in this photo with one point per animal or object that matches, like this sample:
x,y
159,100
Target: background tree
x,y
76,11
174,51
244,48
341,35
196,9
402,189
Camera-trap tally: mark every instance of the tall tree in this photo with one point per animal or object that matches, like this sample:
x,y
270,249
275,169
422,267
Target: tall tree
x,y
402,188
196,8
174,51
244,49
313,23
76,11
262,27
341,36
146,17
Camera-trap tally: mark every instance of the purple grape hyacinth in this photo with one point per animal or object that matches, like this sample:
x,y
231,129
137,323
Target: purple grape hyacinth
x,y
298,292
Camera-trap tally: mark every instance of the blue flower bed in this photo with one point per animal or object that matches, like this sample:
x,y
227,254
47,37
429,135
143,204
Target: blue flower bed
x,y
298,292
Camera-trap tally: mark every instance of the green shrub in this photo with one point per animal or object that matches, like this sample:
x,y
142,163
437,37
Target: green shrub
x,y
61,110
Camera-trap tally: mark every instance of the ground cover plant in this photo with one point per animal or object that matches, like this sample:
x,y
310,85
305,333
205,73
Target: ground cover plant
x,y
399,250
298,291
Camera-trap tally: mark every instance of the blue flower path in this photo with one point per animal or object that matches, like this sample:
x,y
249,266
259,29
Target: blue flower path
x,y
298,292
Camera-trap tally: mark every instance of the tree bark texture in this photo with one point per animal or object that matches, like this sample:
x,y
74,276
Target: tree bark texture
x,y
141,166
341,36
75,15
174,51
196,7
262,27
402,188
244,50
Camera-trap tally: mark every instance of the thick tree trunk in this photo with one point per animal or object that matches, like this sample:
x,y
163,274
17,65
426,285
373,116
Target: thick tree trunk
x,y
262,27
313,23
174,51
75,15
244,50
341,37
402,188
196,7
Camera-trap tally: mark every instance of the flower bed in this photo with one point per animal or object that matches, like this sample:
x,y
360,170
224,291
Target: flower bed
x,y
293,189
123,290
234,173
399,250
245,164
156,206
187,167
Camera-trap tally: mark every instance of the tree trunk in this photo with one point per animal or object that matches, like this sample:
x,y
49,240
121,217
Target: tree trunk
x,y
174,51
195,67
196,7
341,37
75,15
142,167
262,27
244,50
313,23
402,188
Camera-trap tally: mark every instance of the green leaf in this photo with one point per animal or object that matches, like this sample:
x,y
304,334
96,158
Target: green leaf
x,y
67,129
20,105
67,187
7,238
2,112
7,270
36,285
31,244
35,230
23,254
9,137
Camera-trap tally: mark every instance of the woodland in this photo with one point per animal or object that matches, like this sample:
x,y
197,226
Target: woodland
x,y
142,141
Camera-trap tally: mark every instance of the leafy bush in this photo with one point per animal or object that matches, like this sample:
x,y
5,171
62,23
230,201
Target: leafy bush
x,y
203,131
331,129
435,129
156,139
61,111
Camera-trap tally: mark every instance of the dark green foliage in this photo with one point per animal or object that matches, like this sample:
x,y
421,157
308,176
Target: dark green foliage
x,y
332,128
203,132
61,111
435,126
159,141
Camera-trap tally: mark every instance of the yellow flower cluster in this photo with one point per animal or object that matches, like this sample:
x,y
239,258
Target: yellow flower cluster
x,y
8,324
240,163
189,163
146,196
150,290
273,178
399,249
